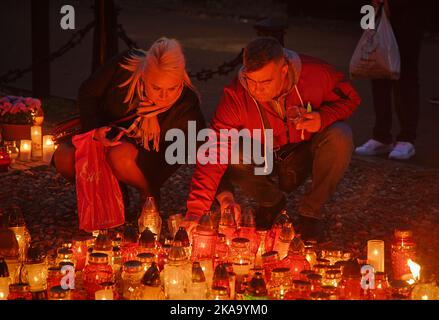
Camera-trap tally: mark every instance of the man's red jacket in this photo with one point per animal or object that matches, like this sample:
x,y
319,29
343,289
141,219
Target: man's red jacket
x,y
318,83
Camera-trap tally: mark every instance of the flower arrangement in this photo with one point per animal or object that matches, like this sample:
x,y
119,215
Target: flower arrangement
x,y
20,110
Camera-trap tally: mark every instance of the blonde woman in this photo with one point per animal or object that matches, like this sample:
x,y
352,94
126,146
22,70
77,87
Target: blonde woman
x,y
146,93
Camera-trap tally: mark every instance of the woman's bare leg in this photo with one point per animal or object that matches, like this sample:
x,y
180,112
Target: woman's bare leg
x,y
122,160
64,159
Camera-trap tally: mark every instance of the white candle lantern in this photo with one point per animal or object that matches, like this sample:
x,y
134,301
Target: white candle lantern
x,y
48,148
25,150
36,136
375,254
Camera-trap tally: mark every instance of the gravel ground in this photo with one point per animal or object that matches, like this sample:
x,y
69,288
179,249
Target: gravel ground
x,y
375,197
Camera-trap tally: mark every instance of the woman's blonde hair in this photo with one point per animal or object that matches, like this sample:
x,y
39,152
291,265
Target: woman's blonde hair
x,y
165,55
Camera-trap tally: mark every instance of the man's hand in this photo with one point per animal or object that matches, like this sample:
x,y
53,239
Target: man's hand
x,y
227,200
311,122
101,136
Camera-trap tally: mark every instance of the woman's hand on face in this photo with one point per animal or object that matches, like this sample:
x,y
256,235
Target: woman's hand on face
x,y
101,136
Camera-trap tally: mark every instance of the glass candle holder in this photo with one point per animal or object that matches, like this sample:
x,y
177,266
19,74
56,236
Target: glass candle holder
x,y
150,288
275,231
279,284
19,291
262,246
282,244
301,290
240,254
58,293
349,288
48,148
382,290
403,248
132,273
79,248
174,222
108,286
182,236
222,250
177,274
332,255
227,225
221,277
65,255
204,239
37,274
219,293
25,150
315,281
36,136
146,259
375,254
54,277
97,271
331,291
256,288
332,278
270,261
198,287
297,263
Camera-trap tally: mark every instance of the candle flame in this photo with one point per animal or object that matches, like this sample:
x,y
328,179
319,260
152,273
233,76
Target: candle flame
x,y
424,297
415,269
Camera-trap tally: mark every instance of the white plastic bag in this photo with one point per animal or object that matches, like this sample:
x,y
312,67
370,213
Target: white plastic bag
x,y
376,55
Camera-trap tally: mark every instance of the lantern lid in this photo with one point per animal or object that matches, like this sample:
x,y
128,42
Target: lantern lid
x,y
4,272
300,283
221,272
147,239
65,252
177,253
98,257
108,285
182,236
197,273
306,272
319,295
270,254
282,218
287,232
66,263
19,287
280,270
256,286
248,218
296,245
146,256
58,292
240,242
151,277
323,261
132,266
314,277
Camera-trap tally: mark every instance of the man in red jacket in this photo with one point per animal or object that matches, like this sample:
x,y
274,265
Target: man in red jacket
x,y
273,84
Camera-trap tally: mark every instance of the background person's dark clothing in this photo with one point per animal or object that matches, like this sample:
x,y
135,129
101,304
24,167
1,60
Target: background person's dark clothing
x,y
101,102
406,18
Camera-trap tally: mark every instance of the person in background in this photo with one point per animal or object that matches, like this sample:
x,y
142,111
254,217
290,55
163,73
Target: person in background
x,y
403,94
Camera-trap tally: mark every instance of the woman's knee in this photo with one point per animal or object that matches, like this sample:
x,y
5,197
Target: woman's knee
x,y
64,160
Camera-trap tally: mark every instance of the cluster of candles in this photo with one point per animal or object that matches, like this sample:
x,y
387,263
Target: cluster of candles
x,y
38,148
224,261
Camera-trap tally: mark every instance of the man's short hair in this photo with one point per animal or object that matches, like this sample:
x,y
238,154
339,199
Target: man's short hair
x,y
261,51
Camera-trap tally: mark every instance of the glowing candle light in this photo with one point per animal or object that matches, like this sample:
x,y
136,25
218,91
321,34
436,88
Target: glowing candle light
x,y
104,295
25,150
375,254
36,136
48,148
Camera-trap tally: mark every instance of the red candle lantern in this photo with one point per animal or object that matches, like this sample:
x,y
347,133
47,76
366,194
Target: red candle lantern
x,y
276,229
79,249
349,287
19,291
296,259
97,271
247,229
403,249
270,261
129,244
204,239
227,225
221,277
222,251
381,291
